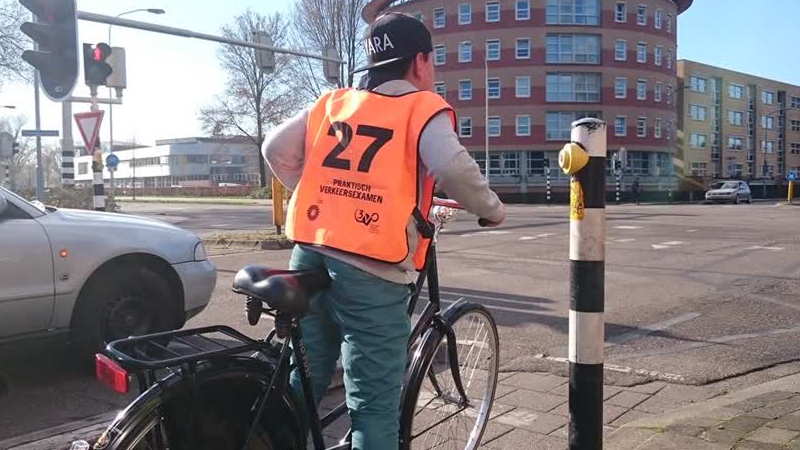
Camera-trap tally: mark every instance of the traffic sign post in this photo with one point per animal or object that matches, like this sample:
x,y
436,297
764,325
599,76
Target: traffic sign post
x,y
112,161
792,177
89,126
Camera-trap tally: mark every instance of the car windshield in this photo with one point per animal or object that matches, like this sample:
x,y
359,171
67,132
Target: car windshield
x,y
37,205
730,185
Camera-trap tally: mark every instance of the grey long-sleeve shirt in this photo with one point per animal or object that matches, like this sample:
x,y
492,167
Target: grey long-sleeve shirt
x,y
442,156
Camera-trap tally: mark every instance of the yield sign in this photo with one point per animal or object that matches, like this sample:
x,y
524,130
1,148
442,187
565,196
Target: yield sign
x,y
89,126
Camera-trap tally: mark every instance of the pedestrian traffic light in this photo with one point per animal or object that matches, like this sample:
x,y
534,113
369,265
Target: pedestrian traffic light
x,y
95,68
55,55
15,148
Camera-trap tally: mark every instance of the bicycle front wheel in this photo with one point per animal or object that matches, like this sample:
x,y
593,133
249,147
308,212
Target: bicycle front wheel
x,y
434,413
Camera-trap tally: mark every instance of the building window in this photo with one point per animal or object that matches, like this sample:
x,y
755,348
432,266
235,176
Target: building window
x,y
669,59
657,92
465,52
620,87
465,127
736,91
698,140
669,23
670,129
465,90
439,18
735,143
795,102
698,112
464,14
523,9
494,88
698,169
621,50
767,146
523,49
493,11
794,148
659,19
621,12
639,163
495,126
559,123
735,117
573,12
621,126
573,48
641,52
767,97
641,127
657,129
767,122
83,168
573,87
698,84
523,87
669,94
439,55
658,54
641,90
523,125
795,124
440,88
493,50
641,15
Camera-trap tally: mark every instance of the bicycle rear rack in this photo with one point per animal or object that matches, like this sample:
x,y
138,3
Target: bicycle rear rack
x,y
176,348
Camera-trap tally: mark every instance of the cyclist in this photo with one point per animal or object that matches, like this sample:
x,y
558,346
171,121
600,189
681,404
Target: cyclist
x,y
362,164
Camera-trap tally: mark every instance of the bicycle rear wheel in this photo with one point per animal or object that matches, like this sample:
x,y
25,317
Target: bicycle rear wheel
x,y
434,414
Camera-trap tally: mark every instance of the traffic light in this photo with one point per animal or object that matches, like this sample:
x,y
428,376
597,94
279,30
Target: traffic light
x,y
95,68
15,148
55,54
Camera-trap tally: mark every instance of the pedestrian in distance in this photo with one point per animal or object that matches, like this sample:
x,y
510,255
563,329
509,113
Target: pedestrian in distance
x,y
362,164
636,188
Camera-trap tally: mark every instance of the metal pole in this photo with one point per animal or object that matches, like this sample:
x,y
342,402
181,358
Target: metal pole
x,y
549,191
67,146
8,176
39,171
133,166
98,190
618,185
585,160
486,116
109,20
790,198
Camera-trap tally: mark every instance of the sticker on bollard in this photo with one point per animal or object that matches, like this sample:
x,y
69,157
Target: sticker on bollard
x,y
576,200
792,176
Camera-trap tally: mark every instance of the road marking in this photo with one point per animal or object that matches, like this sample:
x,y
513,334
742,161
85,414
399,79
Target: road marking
x,y
659,247
650,329
628,227
672,243
527,238
692,231
486,233
664,245
772,249
531,238
624,369
624,241
764,298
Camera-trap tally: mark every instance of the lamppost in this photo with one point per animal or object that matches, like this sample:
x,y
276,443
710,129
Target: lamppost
x,y
110,90
486,107
765,166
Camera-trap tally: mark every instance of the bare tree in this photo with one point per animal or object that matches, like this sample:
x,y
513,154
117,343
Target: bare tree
x,y
25,159
12,42
253,100
317,23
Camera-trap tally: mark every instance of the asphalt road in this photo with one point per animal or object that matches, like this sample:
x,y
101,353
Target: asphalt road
x,y
694,294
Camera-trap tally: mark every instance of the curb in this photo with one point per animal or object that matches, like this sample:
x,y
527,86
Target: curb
x,y
61,436
267,244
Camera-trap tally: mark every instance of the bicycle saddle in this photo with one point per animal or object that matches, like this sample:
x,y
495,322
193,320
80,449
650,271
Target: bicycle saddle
x,y
286,291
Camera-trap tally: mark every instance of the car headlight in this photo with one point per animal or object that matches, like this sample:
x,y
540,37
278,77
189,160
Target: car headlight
x,y
200,252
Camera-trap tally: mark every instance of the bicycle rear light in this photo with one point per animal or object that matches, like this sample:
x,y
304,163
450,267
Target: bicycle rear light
x,y
111,374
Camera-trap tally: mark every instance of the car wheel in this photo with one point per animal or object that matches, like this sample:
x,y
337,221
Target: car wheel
x,y
125,300
735,200
749,199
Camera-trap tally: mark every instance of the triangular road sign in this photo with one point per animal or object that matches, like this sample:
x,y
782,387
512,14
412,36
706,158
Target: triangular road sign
x,y
89,126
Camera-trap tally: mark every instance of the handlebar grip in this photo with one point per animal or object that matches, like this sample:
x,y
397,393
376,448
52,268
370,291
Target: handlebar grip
x,y
484,223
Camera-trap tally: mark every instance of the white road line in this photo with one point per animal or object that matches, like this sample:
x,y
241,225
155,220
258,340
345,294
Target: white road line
x,y
545,235
527,238
692,231
482,297
649,329
623,369
486,233
664,245
672,243
628,227
659,247
624,241
772,249
515,310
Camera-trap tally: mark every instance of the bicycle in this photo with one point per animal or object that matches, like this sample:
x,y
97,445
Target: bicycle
x,y
228,394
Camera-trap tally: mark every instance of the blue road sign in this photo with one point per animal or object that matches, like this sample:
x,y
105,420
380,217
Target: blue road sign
x,y
112,161
40,133
792,176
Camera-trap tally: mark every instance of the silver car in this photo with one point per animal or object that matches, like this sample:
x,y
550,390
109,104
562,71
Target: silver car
x,y
97,276
730,192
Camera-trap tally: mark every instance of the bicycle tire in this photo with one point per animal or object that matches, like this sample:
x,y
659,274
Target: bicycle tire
x,y
172,414
429,417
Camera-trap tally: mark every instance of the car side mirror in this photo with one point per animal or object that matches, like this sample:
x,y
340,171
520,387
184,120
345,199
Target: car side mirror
x,y
3,204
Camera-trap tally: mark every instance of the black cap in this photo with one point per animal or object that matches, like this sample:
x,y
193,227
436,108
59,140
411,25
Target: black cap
x,y
393,37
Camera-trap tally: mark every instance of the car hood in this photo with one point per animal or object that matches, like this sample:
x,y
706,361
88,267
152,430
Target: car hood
x,y
111,219
722,191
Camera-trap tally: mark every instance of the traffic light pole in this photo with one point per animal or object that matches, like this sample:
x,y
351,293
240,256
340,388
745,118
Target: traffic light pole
x,y
39,171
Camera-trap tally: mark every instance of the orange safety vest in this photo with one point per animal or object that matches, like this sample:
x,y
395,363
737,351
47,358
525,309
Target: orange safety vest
x,y
360,183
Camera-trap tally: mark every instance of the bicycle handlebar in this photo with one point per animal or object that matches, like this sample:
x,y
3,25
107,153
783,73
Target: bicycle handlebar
x,y
448,203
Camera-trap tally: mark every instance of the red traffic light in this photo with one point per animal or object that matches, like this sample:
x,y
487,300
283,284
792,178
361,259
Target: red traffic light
x,y
101,52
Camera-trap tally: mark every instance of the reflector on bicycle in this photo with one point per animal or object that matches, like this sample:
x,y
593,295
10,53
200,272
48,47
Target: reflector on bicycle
x,y
446,202
111,374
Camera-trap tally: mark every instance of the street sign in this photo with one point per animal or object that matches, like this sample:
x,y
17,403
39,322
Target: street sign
x,y
112,161
40,133
89,126
792,176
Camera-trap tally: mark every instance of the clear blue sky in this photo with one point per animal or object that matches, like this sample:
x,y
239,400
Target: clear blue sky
x,y
170,78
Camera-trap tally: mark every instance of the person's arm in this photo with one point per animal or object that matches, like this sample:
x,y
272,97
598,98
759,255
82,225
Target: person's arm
x,y
456,171
284,149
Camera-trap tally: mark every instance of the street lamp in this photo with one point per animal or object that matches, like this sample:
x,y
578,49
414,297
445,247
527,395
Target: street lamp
x,y
110,95
486,107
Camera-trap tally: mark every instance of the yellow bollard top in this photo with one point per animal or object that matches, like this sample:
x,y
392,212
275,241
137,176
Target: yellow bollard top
x,y
572,158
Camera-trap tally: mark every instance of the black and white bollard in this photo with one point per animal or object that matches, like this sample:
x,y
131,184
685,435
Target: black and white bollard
x,y
549,191
618,186
99,195
67,168
7,179
585,160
